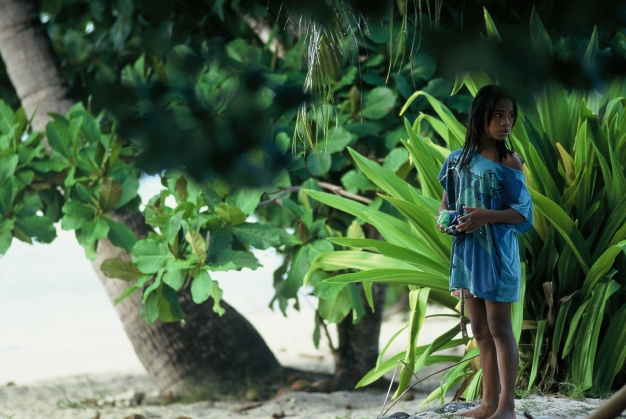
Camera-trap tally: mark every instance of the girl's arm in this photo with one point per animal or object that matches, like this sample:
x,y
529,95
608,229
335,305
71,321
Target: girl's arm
x,y
475,218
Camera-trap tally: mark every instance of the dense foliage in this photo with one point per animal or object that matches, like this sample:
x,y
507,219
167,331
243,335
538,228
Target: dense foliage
x,y
569,321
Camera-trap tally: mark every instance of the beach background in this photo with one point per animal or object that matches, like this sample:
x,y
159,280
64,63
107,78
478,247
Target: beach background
x,y
56,320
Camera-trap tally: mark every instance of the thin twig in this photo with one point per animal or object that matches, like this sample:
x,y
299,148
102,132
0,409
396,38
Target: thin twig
x,y
340,191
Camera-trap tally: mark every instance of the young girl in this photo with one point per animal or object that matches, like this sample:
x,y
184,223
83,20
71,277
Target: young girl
x,y
484,184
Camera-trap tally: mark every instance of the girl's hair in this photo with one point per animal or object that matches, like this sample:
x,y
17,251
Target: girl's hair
x,y
479,116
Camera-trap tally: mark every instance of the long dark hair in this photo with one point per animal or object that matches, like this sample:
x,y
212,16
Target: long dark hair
x,y
479,116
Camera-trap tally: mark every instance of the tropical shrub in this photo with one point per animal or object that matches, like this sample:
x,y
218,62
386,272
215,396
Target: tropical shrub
x,y
569,323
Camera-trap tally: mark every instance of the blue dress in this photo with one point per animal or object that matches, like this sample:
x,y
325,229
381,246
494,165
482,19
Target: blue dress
x,y
487,261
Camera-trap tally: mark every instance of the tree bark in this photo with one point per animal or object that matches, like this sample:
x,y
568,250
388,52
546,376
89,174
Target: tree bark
x,y
204,356
357,350
206,353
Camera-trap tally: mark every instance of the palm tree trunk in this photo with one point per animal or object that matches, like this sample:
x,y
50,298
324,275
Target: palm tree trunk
x,y
206,353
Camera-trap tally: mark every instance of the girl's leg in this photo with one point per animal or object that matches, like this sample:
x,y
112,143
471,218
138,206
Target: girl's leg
x,y
477,311
501,330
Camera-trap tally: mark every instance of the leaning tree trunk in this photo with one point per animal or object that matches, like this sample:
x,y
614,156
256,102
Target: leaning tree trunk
x,y
206,354
207,350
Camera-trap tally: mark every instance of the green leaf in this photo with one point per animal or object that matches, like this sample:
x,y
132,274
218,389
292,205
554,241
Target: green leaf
x,y
150,256
492,31
393,251
234,259
149,310
539,36
40,228
201,287
230,214
611,354
318,162
6,237
120,235
172,227
246,199
60,138
378,102
334,310
417,304
383,178
8,164
118,268
198,244
168,305
110,194
395,159
259,236
541,327
601,267
336,140
393,276
175,279
565,226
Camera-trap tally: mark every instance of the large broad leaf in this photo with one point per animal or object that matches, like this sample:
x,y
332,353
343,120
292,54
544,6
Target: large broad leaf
x,y
393,276
149,256
197,243
428,163
201,287
346,259
8,164
456,128
378,102
118,268
393,230
335,309
601,267
40,228
230,214
259,236
565,226
246,199
392,251
120,235
425,226
383,178
168,305
110,194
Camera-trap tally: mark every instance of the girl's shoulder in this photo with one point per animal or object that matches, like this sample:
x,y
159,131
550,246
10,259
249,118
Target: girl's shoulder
x,y
513,160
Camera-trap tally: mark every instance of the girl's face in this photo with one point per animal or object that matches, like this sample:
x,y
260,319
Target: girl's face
x,y
501,120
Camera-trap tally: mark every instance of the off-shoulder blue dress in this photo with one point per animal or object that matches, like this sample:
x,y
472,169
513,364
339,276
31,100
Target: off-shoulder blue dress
x,y
487,262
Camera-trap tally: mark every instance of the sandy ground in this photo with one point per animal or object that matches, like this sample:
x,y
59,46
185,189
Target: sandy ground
x,y
93,397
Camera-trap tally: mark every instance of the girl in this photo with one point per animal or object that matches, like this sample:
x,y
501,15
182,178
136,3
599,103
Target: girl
x,y
484,183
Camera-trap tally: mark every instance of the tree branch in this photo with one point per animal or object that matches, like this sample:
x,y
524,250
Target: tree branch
x,y
337,190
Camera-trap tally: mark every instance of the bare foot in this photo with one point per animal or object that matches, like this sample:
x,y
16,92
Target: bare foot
x,y
481,412
503,414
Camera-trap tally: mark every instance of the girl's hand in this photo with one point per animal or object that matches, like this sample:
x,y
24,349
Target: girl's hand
x,y
473,219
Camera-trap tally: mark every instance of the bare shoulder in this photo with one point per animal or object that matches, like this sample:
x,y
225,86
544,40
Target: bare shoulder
x,y
514,161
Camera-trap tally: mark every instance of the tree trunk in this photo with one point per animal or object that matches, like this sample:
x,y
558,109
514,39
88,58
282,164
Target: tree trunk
x,y
206,353
357,351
